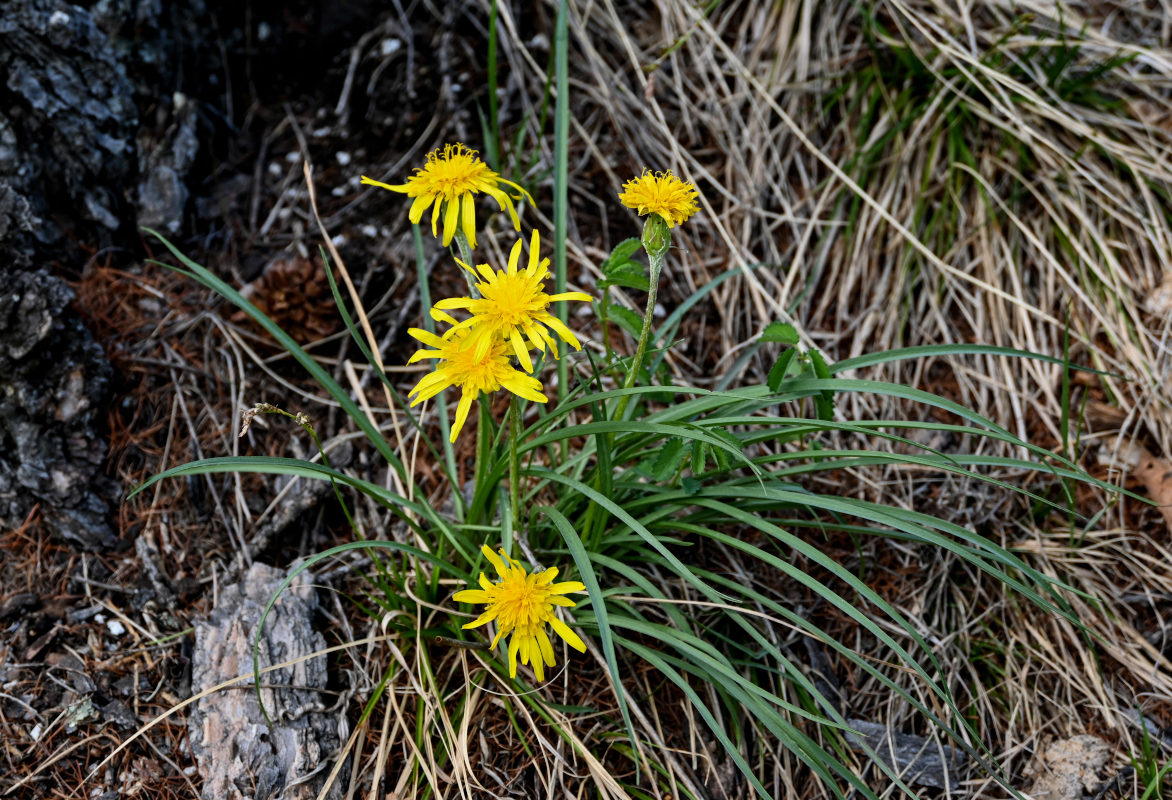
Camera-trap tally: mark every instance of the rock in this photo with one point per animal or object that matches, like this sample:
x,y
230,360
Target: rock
x,y
1069,768
54,382
238,754
917,759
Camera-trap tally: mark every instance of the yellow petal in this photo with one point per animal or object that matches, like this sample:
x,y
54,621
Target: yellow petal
x,y
486,617
537,658
441,316
563,630
419,206
451,216
468,219
547,576
515,257
534,253
562,331
506,203
462,413
514,645
493,559
472,596
519,188
521,350
427,337
419,355
567,586
570,296
518,386
401,188
435,214
546,648
483,341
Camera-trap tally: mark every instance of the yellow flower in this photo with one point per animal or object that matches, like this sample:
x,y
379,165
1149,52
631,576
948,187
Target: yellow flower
x,y
522,603
461,366
449,182
513,305
661,193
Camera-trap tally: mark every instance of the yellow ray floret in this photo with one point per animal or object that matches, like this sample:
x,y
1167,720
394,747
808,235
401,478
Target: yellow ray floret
x,y
448,183
514,307
661,193
521,604
461,366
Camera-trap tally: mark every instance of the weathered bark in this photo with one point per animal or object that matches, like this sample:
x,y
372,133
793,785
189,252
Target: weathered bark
x,y
239,755
54,381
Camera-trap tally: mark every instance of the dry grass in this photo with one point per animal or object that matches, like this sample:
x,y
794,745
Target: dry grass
x,y
821,146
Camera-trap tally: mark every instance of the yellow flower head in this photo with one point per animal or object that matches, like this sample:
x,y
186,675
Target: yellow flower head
x,y
661,193
449,182
513,306
461,366
522,603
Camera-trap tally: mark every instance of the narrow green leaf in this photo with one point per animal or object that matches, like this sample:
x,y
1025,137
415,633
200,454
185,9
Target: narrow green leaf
x,y
780,369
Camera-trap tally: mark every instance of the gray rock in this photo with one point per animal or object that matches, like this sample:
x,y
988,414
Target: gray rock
x,y
919,761
1068,769
238,754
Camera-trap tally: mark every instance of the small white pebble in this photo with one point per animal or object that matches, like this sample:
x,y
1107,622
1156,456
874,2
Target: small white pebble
x,y
369,230
338,191
343,157
275,169
659,311
456,87
388,47
293,157
322,131
189,771
36,732
264,31
339,240
115,627
58,18
99,618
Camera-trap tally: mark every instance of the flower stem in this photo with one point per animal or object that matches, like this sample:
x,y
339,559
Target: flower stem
x,y
466,256
514,480
655,261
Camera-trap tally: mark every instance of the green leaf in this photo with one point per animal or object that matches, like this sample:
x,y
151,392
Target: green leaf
x,y
630,275
597,603
825,401
691,486
781,332
780,369
627,319
722,456
620,256
667,463
699,457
